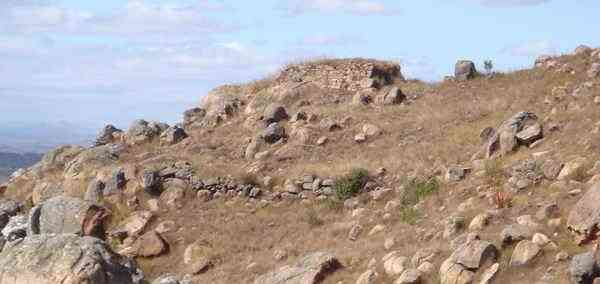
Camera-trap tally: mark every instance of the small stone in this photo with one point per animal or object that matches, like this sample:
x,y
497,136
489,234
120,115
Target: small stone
x,y
540,239
489,274
561,256
355,232
377,229
524,253
389,243
479,222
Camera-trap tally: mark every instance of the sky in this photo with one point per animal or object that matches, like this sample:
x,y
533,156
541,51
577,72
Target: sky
x,y
83,64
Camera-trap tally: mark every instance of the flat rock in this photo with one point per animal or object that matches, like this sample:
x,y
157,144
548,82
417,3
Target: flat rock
x,y
311,269
474,253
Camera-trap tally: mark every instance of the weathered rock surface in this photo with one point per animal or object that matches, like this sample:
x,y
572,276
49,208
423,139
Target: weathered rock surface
x,y
584,217
50,259
583,268
107,135
464,70
506,139
67,215
311,269
524,253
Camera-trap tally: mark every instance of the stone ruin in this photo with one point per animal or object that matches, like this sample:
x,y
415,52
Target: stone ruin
x,y
343,74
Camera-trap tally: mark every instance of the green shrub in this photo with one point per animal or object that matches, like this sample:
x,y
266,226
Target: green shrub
x,y
351,184
409,215
416,190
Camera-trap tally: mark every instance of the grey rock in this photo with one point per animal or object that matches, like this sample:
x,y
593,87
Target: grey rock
x,y
193,117
141,131
474,253
16,228
505,140
49,259
454,273
584,217
107,135
409,276
168,278
93,158
151,182
8,208
273,133
515,233
594,70
67,215
394,96
172,135
524,253
95,192
583,268
456,173
311,269
274,113
464,70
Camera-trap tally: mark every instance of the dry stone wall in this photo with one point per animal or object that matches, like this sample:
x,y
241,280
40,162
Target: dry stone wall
x,y
343,74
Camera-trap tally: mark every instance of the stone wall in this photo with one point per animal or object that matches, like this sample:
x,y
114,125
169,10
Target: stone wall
x,y
343,74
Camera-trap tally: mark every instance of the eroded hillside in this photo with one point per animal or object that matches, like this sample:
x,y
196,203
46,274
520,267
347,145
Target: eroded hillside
x,y
333,171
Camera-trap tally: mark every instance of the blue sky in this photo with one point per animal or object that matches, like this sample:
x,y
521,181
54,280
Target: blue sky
x,y
87,63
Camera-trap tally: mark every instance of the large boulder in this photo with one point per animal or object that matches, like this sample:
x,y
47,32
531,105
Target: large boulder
x,y
172,135
107,135
273,133
141,131
65,258
193,117
522,128
584,217
311,269
583,268
274,113
464,70
67,215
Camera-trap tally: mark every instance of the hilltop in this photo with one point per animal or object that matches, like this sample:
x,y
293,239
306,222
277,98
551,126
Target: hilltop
x,y
331,171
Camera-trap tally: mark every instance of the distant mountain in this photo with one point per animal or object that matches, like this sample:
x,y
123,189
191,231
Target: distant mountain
x,y
10,162
41,137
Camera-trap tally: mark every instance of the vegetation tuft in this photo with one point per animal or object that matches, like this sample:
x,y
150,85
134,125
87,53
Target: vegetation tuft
x,y
351,184
416,190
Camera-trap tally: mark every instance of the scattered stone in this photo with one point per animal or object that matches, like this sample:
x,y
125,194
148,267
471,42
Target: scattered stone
x,y
524,253
371,130
572,168
389,243
107,135
506,139
148,245
360,138
479,222
355,232
322,140
488,275
368,277
594,71
394,96
196,258
540,240
312,268
409,276
133,225
454,273
473,254
394,264
515,233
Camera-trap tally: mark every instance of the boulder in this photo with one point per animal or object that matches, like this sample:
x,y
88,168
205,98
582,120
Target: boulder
x,y
44,191
456,173
172,135
506,139
193,117
107,135
311,269
464,70
395,264
67,215
133,225
394,96
91,159
148,245
57,158
16,228
196,258
583,268
454,273
141,131
64,258
151,182
524,253
273,133
572,168
515,233
584,217
410,276
8,208
95,192
274,112
473,254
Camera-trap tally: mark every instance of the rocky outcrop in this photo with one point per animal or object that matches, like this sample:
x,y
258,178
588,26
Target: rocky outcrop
x,y
347,74
172,135
311,269
66,215
50,259
521,129
107,135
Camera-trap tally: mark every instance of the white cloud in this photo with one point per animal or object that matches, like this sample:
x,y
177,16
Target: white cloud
x,y
531,48
357,7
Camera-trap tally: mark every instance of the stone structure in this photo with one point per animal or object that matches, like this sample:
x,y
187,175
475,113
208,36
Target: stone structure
x,y
343,74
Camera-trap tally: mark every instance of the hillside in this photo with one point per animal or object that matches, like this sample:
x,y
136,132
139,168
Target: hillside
x,y
332,171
